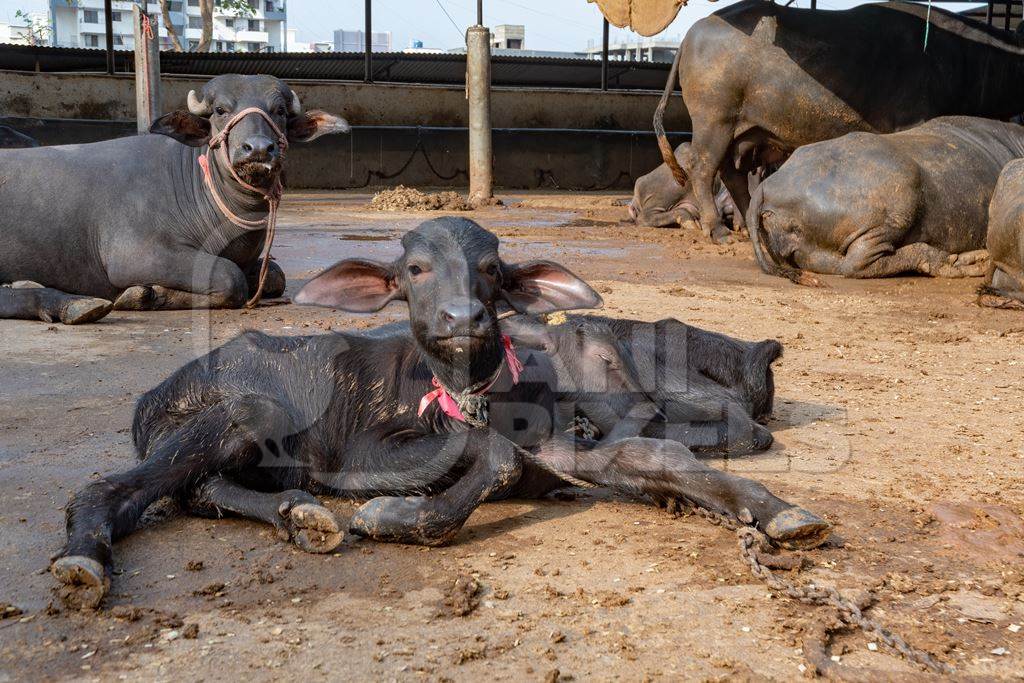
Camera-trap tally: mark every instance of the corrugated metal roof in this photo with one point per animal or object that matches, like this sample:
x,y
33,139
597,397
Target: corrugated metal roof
x,y
393,67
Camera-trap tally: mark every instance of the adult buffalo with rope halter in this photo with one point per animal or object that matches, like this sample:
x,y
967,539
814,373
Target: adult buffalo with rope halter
x,y
181,219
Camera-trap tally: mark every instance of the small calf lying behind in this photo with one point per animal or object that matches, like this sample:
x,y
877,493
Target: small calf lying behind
x,y
428,423
1004,283
699,388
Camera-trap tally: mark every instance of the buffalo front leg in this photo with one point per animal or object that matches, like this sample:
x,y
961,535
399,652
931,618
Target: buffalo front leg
x,y
275,283
493,466
666,469
181,280
297,515
28,301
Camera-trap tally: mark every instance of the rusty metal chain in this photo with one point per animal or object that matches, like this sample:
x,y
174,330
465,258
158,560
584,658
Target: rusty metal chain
x,y
752,541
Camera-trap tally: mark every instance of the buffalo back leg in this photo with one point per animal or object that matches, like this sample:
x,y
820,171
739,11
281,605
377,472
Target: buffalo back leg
x,y
666,469
918,257
711,141
49,305
222,437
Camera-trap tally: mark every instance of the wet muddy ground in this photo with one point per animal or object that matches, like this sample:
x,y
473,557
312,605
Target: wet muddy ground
x,y
897,417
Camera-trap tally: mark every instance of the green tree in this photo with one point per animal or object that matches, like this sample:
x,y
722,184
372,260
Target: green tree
x,y
37,34
241,8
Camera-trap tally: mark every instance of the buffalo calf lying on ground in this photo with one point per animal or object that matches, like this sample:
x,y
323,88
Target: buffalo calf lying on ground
x,y
673,381
867,205
148,221
428,422
1004,284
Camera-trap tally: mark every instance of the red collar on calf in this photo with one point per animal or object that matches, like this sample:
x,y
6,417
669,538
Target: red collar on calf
x,y
451,406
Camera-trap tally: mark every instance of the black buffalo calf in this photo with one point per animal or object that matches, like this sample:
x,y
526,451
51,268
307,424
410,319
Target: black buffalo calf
x,y
427,421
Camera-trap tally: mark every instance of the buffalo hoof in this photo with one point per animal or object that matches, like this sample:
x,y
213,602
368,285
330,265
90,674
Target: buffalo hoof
x,y
400,520
797,529
137,298
722,235
81,310
83,581
311,527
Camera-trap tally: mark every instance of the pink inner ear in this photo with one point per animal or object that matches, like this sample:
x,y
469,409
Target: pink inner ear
x,y
359,287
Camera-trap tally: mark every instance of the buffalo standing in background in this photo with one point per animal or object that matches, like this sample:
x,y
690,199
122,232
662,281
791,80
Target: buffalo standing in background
x,y
761,79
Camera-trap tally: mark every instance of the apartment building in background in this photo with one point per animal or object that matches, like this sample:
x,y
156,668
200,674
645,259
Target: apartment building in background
x,y
81,23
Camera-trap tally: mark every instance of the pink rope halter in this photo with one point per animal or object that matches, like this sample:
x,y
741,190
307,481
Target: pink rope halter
x,y
272,195
451,406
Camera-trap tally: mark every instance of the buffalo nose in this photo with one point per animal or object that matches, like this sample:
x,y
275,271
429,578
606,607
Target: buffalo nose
x,y
463,317
259,147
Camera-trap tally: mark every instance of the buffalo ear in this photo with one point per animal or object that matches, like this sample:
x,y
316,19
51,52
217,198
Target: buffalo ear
x,y
545,286
354,285
312,124
184,127
529,333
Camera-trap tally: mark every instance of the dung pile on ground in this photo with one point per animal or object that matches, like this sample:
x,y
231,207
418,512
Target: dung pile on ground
x,y
404,198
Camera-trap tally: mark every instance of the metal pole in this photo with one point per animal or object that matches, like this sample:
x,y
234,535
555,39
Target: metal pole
x,y
368,44
988,12
478,92
479,12
147,70
108,19
1006,19
604,56
814,4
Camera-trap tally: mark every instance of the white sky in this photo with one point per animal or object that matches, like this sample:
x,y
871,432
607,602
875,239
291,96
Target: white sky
x,y
563,25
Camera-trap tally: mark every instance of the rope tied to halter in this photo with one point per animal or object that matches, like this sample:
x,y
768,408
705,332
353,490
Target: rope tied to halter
x,y
218,145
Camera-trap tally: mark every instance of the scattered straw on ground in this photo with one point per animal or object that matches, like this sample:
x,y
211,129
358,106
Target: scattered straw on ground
x,y
404,198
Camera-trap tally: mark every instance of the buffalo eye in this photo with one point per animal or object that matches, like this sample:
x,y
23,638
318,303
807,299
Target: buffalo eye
x,y
414,269
281,111
221,111
491,269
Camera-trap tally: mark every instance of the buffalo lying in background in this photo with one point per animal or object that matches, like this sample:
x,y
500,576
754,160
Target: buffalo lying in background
x,y
867,205
758,76
1004,285
138,219
427,422
660,202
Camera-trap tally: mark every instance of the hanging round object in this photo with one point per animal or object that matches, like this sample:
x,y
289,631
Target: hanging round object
x,y
646,17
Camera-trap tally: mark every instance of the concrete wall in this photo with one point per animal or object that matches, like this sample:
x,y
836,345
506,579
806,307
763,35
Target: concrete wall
x,y
94,96
376,156
411,134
